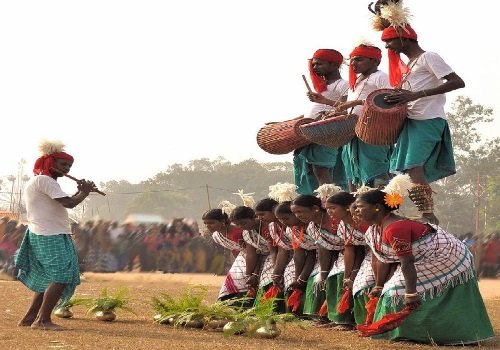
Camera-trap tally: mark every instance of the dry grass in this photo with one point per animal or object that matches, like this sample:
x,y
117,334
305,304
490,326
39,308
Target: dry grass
x,y
139,332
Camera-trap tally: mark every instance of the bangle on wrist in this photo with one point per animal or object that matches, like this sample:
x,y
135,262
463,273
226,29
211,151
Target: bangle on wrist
x,y
411,294
378,287
347,280
301,280
255,274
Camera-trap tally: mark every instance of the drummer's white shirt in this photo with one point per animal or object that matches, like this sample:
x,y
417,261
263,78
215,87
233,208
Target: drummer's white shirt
x,y
376,80
427,73
46,216
334,91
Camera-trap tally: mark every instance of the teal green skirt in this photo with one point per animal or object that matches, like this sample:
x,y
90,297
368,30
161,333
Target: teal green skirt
x,y
334,293
425,143
458,316
365,162
359,309
303,160
43,260
313,299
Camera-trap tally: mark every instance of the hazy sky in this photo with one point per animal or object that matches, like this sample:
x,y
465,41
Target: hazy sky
x,y
133,86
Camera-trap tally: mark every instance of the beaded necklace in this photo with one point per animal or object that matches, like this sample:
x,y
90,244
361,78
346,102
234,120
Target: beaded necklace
x,y
297,240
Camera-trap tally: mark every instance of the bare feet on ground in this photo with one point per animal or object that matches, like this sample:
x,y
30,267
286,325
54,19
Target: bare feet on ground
x,y
47,326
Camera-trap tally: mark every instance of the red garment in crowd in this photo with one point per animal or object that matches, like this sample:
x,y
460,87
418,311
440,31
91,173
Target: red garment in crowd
x,y
492,252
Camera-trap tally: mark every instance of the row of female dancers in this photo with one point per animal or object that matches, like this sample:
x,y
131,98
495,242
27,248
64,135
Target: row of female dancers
x,y
350,261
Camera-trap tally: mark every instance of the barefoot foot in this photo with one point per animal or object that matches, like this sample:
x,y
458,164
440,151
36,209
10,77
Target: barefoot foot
x,y
47,326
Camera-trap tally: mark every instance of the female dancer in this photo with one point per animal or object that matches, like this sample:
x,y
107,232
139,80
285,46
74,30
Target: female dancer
x,y
310,210
358,272
435,275
229,237
257,239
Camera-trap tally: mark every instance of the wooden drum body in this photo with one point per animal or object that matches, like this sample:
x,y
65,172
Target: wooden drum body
x,y
380,122
333,132
282,137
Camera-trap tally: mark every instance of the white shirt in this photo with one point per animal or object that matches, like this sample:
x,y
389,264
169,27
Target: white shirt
x,y
46,216
427,73
376,80
334,91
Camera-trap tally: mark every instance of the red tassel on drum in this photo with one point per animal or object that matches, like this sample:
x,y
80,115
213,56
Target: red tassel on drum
x,y
385,324
343,305
295,299
324,309
271,292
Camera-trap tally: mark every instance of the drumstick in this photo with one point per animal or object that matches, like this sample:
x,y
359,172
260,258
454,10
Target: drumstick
x,y
307,84
77,180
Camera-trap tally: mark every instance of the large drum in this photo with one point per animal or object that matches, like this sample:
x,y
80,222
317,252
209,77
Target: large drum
x,y
380,122
282,137
332,132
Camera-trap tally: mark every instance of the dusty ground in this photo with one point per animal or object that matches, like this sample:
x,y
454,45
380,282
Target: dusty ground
x,y
139,332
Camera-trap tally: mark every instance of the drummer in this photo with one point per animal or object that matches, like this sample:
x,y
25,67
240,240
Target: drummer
x,y
365,164
424,149
314,164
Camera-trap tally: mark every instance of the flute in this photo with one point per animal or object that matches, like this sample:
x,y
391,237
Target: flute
x,y
77,180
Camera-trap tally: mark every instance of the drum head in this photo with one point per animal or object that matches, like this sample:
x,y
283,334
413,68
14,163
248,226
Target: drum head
x,y
381,103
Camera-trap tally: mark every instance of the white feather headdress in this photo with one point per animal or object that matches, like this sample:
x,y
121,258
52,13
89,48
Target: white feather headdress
x,y
327,190
399,184
363,189
47,147
247,198
396,14
283,192
227,207
365,42
392,14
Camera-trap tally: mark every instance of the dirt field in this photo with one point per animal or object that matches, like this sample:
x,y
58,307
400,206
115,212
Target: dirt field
x,y
139,332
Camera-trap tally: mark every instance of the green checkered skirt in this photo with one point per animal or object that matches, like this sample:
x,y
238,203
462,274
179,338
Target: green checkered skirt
x,y
43,260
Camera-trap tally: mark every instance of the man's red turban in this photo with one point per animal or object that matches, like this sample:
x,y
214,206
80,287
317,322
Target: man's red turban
x,y
328,55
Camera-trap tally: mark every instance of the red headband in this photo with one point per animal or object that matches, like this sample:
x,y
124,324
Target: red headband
x,y
44,163
328,55
399,32
396,66
363,51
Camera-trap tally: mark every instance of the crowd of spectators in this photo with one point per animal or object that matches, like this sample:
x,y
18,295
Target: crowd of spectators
x,y
174,247
105,246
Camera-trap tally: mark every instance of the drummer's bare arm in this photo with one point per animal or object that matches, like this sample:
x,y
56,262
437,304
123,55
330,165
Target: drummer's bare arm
x,y
453,82
318,98
350,104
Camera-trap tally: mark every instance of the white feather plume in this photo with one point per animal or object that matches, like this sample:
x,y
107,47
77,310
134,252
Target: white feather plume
x,y
363,189
282,192
247,198
227,207
396,14
399,184
47,147
326,190
364,41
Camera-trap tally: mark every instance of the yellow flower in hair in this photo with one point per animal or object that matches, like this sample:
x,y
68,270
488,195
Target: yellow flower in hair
x,y
393,200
